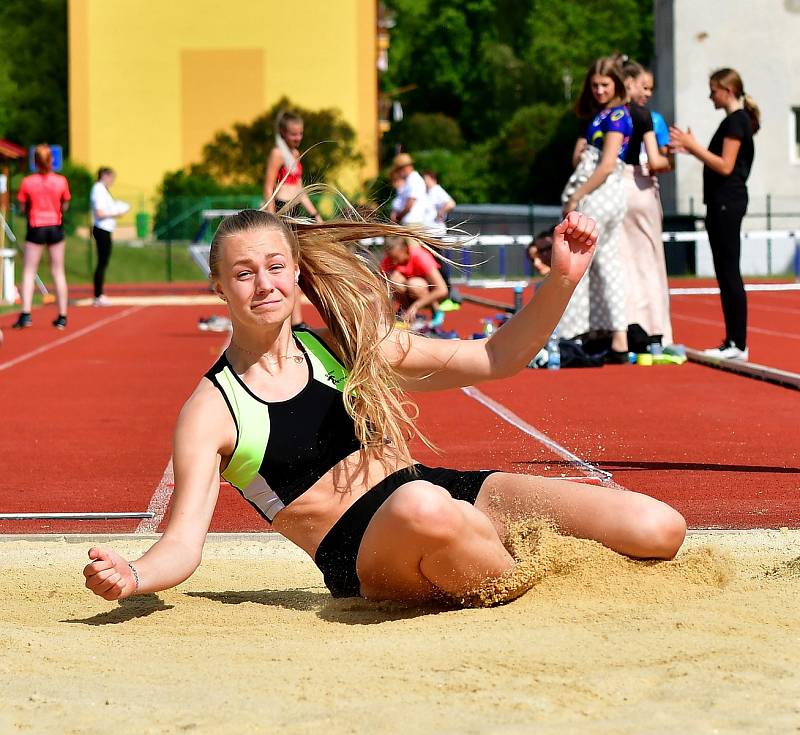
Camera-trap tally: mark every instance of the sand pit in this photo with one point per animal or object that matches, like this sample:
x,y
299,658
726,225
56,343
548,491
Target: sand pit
x,y
253,643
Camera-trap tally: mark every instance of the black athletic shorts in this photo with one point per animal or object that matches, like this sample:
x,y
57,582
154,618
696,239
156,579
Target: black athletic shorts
x,y
294,211
337,553
45,235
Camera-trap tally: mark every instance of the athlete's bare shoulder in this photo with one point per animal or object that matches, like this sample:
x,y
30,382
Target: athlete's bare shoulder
x,y
205,418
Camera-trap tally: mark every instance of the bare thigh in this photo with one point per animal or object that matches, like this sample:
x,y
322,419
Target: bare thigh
x,y
422,541
628,522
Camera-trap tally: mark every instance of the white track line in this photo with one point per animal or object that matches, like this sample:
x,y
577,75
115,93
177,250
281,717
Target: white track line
x,y
751,306
716,323
504,413
159,501
68,338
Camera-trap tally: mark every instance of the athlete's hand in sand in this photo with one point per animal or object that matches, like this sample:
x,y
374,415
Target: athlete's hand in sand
x,y
574,240
108,575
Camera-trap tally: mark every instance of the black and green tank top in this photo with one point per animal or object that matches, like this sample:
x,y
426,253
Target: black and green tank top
x,y
284,447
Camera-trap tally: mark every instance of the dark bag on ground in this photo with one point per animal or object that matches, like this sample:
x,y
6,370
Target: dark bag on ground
x,y
574,355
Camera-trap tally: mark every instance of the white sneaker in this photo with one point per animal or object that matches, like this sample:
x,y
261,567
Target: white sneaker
x,y
728,351
102,301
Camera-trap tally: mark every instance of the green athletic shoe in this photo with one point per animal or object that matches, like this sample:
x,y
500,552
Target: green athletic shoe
x,y
448,305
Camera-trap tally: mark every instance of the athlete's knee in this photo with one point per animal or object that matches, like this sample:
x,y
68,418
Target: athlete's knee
x,y
428,511
661,531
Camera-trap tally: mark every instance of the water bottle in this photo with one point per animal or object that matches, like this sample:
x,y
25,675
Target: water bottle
x,y
553,352
517,298
488,327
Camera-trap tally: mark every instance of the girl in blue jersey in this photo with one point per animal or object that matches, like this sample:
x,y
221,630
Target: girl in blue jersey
x,y
312,427
596,189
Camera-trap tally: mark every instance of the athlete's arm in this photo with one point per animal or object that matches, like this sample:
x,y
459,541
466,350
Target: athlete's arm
x,y
612,142
437,291
437,364
310,208
685,142
271,178
655,160
200,435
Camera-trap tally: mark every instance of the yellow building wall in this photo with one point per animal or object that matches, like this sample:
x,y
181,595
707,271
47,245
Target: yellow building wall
x,y
151,81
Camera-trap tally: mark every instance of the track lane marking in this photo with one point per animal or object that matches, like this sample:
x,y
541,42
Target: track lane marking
x,y
510,417
159,502
712,322
63,340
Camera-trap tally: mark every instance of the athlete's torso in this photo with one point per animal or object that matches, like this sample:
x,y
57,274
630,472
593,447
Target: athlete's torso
x,y
296,460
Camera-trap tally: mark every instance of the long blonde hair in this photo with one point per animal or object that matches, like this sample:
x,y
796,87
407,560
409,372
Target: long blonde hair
x,y
355,305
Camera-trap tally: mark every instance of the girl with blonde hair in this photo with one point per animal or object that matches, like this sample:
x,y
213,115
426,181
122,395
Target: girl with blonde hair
x,y
726,166
641,244
313,427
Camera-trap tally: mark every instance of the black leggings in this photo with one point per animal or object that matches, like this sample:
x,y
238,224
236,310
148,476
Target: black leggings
x,y
338,552
724,226
103,240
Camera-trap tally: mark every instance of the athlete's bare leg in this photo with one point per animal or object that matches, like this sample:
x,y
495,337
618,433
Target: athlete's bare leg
x,y
421,539
56,253
627,522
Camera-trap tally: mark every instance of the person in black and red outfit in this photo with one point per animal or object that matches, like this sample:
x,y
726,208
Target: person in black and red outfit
x,y
726,166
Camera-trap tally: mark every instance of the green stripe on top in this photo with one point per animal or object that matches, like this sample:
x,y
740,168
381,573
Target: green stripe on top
x,y
326,368
252,428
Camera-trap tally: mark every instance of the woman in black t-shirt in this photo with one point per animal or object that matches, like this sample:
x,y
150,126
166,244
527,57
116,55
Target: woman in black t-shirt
x,y
726,166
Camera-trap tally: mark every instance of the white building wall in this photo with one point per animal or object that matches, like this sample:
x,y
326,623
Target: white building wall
x,y
761,40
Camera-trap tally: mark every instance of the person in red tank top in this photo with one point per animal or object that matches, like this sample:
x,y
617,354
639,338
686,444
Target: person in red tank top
x,y
283,181
45,197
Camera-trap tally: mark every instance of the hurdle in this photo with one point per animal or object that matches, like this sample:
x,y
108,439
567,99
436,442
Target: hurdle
x,y
73,516
768,374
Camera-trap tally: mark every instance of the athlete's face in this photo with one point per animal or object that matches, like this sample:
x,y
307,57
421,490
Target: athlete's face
x,y
293,135
645,87
398,253
602,89
257,277
718,95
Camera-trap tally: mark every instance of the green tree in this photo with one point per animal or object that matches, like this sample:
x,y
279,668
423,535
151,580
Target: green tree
x,y
507,71
33,71
239,156
566,37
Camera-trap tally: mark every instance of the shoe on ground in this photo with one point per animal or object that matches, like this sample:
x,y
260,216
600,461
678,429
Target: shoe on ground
x,y
438,319
613,357
60,322
728,351
23,321
449,305
101,300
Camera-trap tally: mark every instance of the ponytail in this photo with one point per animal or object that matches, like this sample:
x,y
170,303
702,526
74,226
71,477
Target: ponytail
x,y
751,108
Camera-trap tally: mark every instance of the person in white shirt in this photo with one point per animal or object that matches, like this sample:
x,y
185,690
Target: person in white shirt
x,y
440,200
412,204
105,210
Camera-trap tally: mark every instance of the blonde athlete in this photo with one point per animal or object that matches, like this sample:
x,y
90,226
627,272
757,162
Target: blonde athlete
x,y
311,428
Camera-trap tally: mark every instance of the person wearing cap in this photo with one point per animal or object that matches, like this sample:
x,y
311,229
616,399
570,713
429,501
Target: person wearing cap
x,y
411,205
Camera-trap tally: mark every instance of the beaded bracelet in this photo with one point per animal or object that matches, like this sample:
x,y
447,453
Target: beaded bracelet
x,y
135,576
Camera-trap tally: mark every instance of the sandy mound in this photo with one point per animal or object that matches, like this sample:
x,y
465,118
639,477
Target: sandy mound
x,y
253,642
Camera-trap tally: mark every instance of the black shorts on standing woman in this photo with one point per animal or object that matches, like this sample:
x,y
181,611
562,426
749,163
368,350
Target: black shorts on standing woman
x,y
726,204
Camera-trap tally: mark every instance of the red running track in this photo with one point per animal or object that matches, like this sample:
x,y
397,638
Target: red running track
x,y
87,423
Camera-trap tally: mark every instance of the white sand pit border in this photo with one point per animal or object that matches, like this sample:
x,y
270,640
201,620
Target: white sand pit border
x,y
253,642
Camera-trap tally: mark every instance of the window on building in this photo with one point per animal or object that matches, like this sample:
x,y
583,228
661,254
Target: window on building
x,y
795,140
